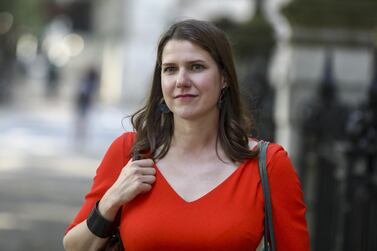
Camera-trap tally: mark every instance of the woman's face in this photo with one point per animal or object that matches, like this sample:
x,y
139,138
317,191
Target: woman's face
x,y
190,79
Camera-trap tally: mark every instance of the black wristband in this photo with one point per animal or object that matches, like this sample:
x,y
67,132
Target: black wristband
x,y
98,225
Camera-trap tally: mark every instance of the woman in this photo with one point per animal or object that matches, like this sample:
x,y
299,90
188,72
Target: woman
x,y
196,186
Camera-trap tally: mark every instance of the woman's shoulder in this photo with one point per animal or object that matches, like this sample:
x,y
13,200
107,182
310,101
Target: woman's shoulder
x,y
254,142
273,150
125,139
128,136
279,162
122,144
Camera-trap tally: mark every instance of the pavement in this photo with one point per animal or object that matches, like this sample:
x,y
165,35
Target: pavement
x,y
45,170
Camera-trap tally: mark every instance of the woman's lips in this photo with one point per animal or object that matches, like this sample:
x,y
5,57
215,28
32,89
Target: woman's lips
x,y
185,97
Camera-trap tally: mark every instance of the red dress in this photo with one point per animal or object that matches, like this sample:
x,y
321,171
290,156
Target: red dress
x,y
229,217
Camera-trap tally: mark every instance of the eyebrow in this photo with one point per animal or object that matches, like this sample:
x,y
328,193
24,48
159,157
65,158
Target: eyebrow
x,y
189,62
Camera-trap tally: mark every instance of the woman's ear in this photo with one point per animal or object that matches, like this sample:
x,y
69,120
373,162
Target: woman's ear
x,y
223,82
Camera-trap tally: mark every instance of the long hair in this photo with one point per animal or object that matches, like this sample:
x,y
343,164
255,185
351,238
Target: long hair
x,y
155,129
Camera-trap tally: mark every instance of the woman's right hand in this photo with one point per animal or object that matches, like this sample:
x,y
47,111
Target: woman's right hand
x,y
135,178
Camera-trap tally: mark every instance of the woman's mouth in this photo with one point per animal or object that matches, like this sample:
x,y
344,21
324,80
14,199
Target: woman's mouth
x,y
185,97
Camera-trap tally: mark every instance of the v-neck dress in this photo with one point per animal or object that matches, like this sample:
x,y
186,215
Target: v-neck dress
x,y
229,217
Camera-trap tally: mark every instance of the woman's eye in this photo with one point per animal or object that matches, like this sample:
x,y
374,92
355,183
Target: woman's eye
x,y
168,69
197,67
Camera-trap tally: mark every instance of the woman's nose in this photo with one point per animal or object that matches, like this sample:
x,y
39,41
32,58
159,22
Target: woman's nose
x,y
183,79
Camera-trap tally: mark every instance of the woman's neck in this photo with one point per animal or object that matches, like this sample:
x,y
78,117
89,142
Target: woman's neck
x,y
195,136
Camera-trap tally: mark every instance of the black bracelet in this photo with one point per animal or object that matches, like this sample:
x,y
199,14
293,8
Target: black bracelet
x,y
98,225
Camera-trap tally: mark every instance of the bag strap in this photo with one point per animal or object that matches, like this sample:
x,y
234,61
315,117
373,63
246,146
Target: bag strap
x,y
269,240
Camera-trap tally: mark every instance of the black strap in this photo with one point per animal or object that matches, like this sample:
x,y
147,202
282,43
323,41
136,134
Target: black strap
x,y
99,225
269,240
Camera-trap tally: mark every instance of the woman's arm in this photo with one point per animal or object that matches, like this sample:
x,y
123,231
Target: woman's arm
x,y
136,177
114,185
80,238
288,207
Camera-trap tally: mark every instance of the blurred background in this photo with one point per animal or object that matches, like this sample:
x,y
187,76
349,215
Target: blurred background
x,y
72,70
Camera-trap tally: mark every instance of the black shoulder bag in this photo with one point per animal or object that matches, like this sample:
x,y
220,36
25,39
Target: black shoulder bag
x,y
269,240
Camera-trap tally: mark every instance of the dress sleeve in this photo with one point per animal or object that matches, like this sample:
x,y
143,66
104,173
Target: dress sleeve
x,y
288,207
108,171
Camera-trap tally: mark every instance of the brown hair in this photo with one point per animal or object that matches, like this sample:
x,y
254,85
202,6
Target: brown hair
x,y
155,129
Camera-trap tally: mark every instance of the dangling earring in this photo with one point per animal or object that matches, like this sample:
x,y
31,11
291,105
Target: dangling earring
x,y
163,107
220,103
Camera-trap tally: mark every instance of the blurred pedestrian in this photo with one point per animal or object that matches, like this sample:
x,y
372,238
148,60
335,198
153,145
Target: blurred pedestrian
x,y
53,78
187,178
85,97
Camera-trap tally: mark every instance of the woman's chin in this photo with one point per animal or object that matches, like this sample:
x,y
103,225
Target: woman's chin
x,y
185,116
191,116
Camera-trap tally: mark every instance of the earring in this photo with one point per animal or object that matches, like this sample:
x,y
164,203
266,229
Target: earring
x,y
163,107
220,103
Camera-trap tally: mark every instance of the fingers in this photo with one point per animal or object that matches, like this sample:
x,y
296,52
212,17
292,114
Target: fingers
x,y
144,167
144,187
141,170
146,171
149,179
144,162
136,177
